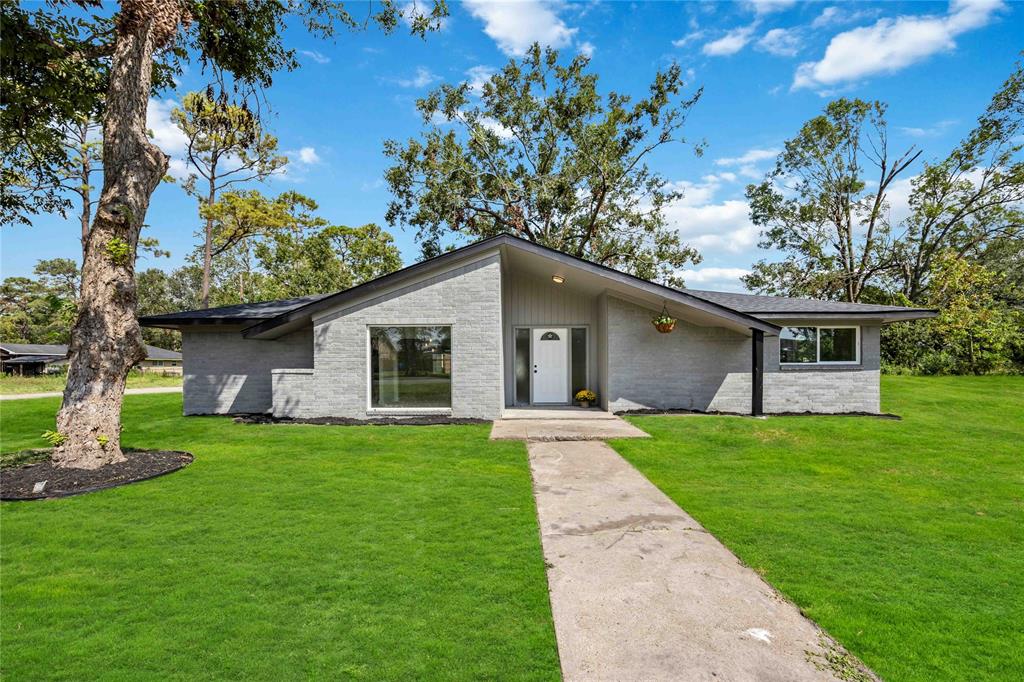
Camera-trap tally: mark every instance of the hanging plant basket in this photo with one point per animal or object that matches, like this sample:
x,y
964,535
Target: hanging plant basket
x,y
663,322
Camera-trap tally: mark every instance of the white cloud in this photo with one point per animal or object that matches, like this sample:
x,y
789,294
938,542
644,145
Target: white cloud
x,y
780,42
308,155
715,227
750,157
514,26
317,57
834,16
715,279
165,135
931,131
712,227
690,37
769,6
890,45
477,76
495,127
731,43
587,48
422,79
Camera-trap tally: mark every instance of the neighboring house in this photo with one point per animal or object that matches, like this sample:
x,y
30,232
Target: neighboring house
x,y
505,322
38,358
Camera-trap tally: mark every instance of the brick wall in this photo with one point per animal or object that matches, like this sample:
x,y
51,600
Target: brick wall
x,y
225,373
467,297
708,369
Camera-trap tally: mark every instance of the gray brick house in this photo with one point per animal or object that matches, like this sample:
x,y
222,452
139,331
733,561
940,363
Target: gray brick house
x,y
505,322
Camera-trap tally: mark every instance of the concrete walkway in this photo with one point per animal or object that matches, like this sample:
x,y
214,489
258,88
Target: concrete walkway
x,y
564,424
640,591
130,391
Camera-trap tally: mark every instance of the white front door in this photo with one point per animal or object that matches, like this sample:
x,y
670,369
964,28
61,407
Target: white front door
x,y
551,365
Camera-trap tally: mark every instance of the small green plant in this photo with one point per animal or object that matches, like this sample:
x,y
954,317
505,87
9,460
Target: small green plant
x,y
102,439
663,319
586,395
118,250
54,438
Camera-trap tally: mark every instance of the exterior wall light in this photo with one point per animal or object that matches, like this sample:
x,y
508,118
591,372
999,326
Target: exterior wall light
x,y
557,279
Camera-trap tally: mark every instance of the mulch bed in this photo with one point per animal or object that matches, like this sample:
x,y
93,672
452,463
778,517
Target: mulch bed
x,y
349,421
18,482
652,411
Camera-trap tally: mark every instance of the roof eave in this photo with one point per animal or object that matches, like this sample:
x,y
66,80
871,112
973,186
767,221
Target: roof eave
x,y
885,316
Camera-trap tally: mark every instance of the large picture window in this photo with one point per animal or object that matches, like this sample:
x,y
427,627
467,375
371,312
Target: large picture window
x,y
411,367
819,345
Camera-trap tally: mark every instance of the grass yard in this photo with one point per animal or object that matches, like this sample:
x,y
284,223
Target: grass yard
x,y
282,552
49,383
904,539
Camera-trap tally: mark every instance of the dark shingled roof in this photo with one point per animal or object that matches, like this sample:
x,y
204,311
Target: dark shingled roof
x,y
754,304
269,314
229,314
33,359
35,348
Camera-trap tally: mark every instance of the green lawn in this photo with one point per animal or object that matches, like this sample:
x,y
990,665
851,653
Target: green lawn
x,y
903,539
49,383
282,552
412,552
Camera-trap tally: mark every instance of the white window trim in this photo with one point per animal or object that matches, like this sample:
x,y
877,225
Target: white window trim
x,y
405,411
817,346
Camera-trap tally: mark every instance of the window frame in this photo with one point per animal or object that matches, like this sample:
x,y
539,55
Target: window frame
x,y
370,408
817,346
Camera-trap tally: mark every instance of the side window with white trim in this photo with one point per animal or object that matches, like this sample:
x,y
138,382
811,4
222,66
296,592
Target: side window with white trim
x,y
819,345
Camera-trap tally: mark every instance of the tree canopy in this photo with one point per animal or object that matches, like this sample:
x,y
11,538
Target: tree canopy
x,y
538,152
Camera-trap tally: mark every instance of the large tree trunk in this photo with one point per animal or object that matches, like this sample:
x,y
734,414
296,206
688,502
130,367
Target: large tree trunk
x,y
106,340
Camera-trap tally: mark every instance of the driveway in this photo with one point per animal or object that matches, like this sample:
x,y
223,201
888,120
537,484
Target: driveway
x,y
130,391
641,591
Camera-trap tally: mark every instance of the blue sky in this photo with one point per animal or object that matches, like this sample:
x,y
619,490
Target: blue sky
x,y
765,67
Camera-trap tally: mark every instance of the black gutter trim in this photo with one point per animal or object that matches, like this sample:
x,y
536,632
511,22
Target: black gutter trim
x,y
470,249
898,311
160,322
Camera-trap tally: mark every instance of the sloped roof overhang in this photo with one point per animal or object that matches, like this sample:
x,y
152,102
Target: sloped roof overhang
x,y
515,250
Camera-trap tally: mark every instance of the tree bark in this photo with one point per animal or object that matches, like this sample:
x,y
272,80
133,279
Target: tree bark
x,y
211,197
106,340
86,194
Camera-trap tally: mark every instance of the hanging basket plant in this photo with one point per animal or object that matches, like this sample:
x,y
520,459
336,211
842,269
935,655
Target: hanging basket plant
x,y
664,323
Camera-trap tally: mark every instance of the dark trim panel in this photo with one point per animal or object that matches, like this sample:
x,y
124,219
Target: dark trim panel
x,y
757,373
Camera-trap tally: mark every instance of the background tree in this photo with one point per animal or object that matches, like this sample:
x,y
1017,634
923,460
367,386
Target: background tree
x,y
299,262
84,151
825,205
974,333
227,146
56,69
973,199
540,154
40,310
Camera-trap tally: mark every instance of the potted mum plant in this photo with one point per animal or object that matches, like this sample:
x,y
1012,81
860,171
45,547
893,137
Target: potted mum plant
x,y
664,323
585,396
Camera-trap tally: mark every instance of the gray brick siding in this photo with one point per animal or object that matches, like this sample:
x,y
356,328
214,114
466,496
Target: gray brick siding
x,y
708,369
468,298
225,373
